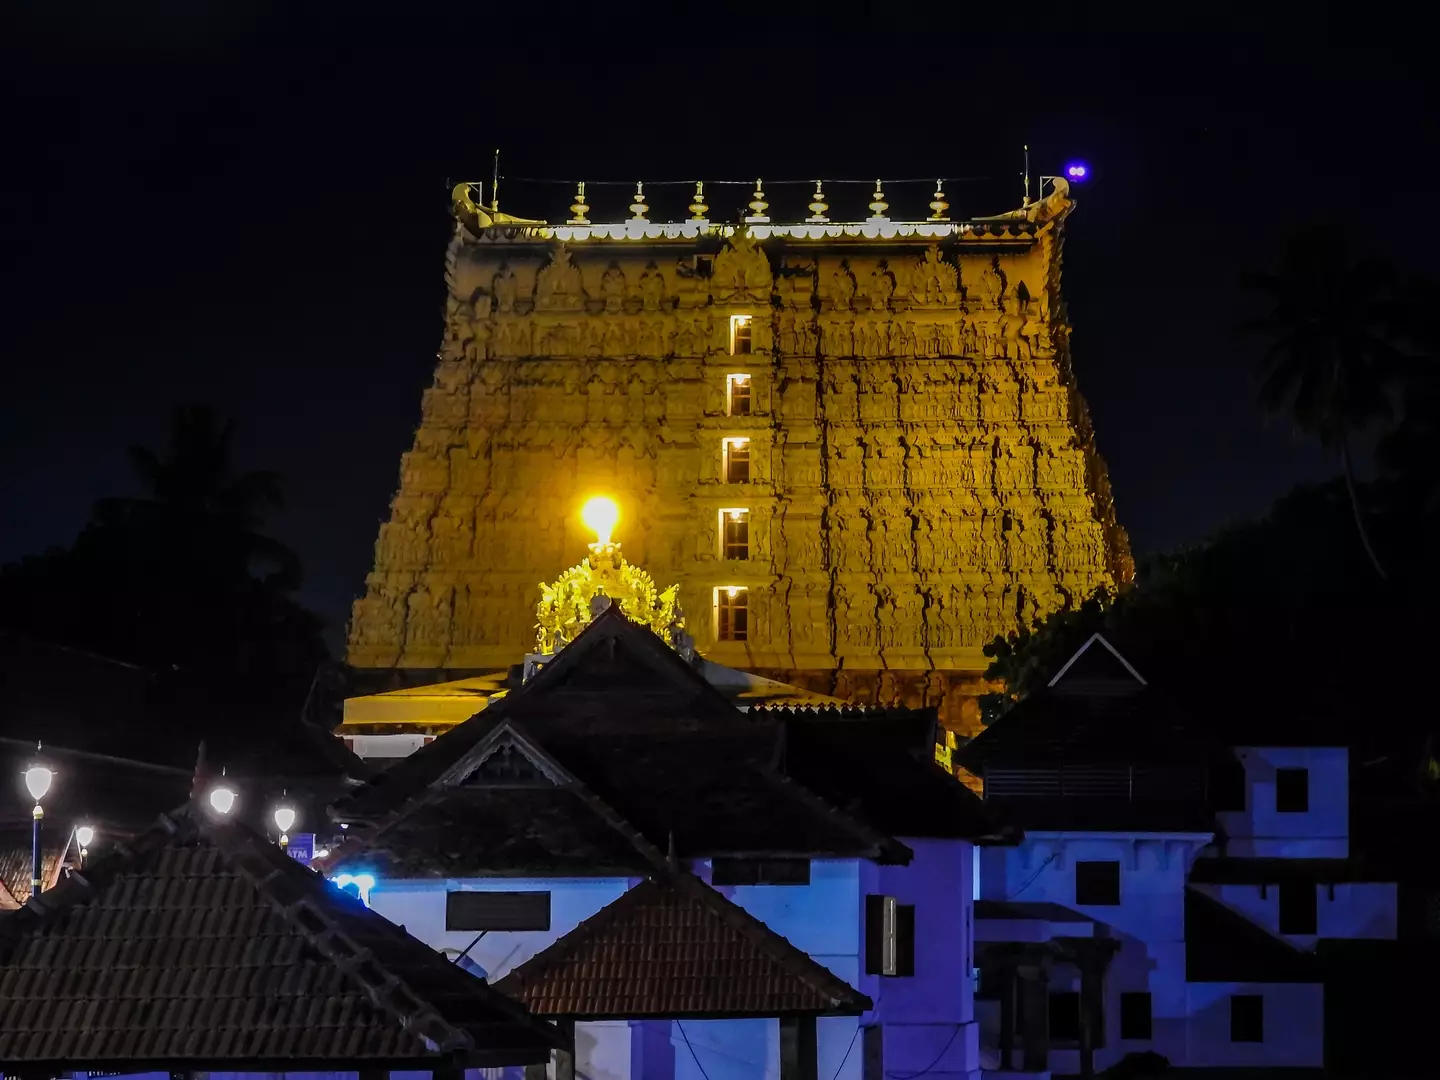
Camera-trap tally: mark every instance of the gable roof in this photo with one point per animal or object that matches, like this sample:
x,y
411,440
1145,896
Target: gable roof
x,y
1223,946
673,947
204,945
1096,660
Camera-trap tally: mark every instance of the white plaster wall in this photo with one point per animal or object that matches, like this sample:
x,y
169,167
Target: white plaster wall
x,y
1261,831
1294,1028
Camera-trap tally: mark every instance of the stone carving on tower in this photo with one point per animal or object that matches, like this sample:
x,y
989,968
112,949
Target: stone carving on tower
x,y
894,418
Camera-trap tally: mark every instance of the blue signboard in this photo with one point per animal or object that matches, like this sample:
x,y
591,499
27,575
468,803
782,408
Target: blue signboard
x,y
302,847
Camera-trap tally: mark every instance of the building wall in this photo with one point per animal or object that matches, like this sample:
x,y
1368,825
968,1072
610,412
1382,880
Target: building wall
x,y
1344,910
1294,1034
1261,831
1149,923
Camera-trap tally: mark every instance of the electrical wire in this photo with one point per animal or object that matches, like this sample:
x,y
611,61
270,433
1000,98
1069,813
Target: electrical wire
x,y
694,1055
840,1068
1031,879
938,1058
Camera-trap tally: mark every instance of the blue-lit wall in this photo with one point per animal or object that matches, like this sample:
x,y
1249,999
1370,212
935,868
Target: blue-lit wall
x,y
1149,923
927,1018
1294,1021
1320,832
1363,910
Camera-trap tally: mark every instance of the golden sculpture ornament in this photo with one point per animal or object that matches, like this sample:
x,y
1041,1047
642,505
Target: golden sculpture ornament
x,y
569,602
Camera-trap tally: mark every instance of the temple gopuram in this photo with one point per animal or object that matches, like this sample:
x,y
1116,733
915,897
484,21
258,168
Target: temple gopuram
x,y
858,447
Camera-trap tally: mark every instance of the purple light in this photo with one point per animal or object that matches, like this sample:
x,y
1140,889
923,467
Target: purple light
x,y
1077,172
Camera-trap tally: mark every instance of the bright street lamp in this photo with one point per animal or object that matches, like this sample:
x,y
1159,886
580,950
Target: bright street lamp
x,y
38,779
222,799
284,821
84,836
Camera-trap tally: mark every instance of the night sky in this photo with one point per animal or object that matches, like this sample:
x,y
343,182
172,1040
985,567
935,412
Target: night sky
x,y
240,208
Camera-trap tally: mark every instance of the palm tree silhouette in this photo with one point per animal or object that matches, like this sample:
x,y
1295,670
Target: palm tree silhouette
x,y
1332,355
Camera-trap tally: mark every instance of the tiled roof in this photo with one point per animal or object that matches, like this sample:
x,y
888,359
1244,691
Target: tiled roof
x,y
1224,946
673,947
16,853
203,945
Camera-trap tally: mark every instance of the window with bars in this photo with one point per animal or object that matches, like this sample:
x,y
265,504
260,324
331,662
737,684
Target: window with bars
x,y
735,534
737,395
732,615
740,340
737,461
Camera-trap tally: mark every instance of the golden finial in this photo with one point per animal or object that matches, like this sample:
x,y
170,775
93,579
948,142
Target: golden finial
x,y
757,205
878,205
938,205
698,207
818,205
579,206
639,206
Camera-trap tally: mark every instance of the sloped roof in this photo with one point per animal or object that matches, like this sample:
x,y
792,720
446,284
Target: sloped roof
x,y
672,947
16,853
1224,946
205,946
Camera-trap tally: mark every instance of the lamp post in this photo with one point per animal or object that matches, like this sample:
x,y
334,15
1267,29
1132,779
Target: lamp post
x,y
284,821
37,781
84,837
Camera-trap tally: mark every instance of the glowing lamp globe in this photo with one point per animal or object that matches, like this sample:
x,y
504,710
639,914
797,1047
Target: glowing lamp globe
x,y
284,818
37,781
1077,171
600,516
84,836
222,799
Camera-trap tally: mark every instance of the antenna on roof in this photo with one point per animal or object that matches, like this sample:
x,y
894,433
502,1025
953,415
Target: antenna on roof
x,y
495,184
1025,202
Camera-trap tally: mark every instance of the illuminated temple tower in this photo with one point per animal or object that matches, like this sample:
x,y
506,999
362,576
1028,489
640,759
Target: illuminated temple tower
x,y
858,447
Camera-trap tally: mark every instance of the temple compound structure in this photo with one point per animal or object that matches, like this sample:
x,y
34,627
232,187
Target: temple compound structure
x,y
858,447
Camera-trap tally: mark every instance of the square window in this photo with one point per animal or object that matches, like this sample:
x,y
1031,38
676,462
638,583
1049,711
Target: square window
x,y
1135,1015
889,936
1247,1018
1297,907
1065,1016
1097,883
735,534
740,335
737,395
1292,791
732,616
737,461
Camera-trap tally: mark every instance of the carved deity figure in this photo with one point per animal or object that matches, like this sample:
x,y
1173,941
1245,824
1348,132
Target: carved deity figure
x,y
989,286
933,280
741,271
504,289
882,287
1012,322
612,288
842,288
652,288
559,287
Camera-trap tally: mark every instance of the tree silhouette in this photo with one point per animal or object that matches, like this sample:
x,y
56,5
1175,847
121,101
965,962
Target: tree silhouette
x,y
1333,327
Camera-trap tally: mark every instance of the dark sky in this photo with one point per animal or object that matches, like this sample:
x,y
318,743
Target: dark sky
x,y
227,204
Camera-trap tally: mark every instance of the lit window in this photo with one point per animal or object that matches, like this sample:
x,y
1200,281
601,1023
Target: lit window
x,y
737,461
739,335
732,617
735,534
737,395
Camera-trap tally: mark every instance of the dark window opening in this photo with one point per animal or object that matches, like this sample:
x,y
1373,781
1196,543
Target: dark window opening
x,y
1247,1018
736,543
1097,883
1064,1016
872,1052
1297,908
1135,1015
760,872
889,936
497,911
732,614
1292,791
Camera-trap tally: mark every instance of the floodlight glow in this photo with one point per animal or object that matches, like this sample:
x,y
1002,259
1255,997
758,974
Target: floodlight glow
x,y
37,781
600,515
284,818
363,883
222,799
1077,171
84,836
